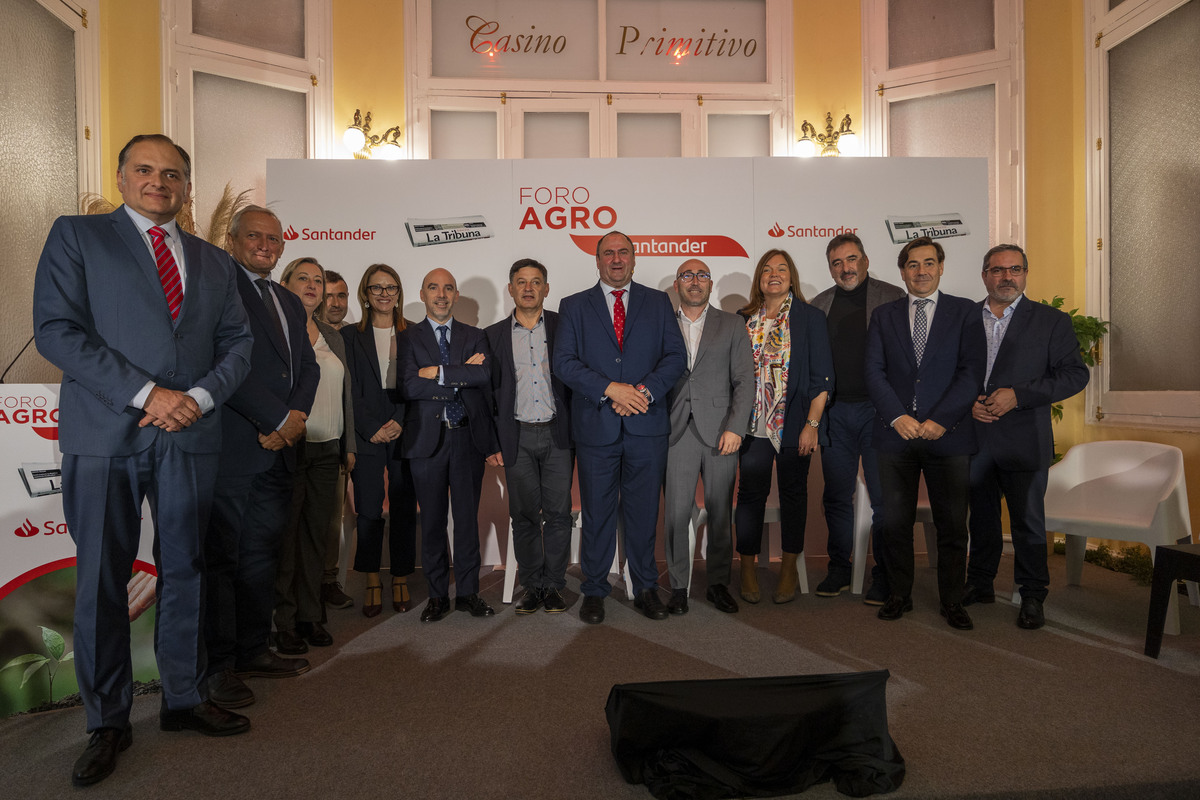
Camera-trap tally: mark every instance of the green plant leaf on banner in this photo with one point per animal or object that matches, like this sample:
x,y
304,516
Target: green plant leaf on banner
x,y
68,657
54,642
32,669
25,659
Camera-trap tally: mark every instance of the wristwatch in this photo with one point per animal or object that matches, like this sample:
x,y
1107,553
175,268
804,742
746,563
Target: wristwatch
x,y
813,423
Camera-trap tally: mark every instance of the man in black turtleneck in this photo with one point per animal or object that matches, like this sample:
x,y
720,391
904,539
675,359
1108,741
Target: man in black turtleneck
x,y
848,307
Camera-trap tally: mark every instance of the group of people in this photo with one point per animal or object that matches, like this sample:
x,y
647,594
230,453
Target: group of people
x,y
239,406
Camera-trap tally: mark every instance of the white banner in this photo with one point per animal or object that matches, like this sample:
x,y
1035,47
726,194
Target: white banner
x,y
476,218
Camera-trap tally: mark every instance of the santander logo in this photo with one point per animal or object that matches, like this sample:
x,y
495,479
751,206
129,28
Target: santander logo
x,y
776,231
290,234
27,530
329,234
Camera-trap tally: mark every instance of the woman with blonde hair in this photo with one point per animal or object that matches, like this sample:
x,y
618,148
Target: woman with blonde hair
x,y
328,443
793,367
378,420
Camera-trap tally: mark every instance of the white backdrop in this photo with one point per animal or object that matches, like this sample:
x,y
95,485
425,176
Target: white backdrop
x,y
350,214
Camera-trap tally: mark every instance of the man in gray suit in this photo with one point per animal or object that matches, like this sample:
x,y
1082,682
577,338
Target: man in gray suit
x,y
145,322
848,306
710,410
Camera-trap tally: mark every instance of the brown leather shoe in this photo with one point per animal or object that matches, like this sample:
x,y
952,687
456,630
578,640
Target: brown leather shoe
x,y
373,601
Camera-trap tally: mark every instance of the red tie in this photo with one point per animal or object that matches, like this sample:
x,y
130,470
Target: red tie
x,y
168,272
619,317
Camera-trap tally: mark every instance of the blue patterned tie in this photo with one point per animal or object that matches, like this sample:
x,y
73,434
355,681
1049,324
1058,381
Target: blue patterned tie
x,y
454,409
920,328
919,335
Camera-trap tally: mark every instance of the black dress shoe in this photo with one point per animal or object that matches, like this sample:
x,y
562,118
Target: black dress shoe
x,y
269,665
530,602
314,633
474,604
975,594
206,718
720,597
878,594
552,601
957,616
99,758
650,605
895,607
290,643
678,602
228,690
437,608
592,610
1031,616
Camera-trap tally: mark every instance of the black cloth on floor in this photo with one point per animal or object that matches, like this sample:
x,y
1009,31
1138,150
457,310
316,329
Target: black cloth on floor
x,y
755,737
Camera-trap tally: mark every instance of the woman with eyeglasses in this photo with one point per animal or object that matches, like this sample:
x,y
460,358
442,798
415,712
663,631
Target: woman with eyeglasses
x,y
793,368
328,442
378,416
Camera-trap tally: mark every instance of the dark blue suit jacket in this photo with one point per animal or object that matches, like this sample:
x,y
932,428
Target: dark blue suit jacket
x,y
504,387
946,384
1039,360
100,315
810,372
280,379
373,405
417,347
587,359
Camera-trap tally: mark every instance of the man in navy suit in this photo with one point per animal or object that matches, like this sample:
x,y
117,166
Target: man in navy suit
x,y
1033,361
448,433
533,426
924,367
145,323
620,351
263,420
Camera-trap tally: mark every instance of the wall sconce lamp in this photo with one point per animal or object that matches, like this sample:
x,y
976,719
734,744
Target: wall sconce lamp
x,y
359,139
812,143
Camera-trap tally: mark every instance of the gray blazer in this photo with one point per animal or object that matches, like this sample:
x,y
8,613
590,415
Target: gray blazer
x,y
337,345
718,391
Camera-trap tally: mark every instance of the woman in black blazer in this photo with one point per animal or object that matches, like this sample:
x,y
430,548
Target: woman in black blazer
x,y
793,369
378,420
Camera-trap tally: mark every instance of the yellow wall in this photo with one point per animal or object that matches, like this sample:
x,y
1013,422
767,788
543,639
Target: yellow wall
x,y
368,63
827,40
130,84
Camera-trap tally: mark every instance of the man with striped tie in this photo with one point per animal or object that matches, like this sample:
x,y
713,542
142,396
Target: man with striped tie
x,y
144,321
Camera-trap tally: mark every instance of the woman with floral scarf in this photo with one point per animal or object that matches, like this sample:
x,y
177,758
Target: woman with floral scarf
x,y
794,378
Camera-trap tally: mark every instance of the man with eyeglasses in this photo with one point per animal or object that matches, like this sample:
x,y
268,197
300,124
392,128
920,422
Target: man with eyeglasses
x,y
619,351
710,407
848,306
1033,361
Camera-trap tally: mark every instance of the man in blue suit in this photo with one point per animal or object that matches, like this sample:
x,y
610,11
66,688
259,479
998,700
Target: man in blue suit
x,y
620,352
1032,361
263,419
924,367
445,368
145,323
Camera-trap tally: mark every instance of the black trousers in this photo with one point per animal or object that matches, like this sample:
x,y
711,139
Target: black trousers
x,y
948,480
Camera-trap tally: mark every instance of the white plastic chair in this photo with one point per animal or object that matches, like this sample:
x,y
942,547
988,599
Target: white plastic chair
x,y
1124,490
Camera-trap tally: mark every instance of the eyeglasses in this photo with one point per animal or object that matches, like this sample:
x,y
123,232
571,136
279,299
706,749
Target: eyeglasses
x,y
377,290
688,277
998,272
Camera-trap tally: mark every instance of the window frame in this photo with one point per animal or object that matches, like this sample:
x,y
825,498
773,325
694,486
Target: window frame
x,y
1002,67
1104,30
